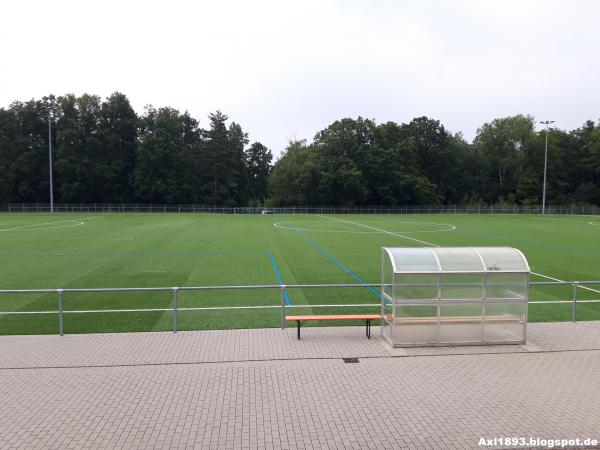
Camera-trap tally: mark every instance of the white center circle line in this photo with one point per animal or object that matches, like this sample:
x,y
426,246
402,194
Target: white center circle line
x,y
290,226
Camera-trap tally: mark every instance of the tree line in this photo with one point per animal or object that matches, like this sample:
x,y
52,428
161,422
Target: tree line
x,y
359,162
105,152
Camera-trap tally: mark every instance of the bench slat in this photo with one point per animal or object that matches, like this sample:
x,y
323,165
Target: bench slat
x,y
335,317
366,317
463,319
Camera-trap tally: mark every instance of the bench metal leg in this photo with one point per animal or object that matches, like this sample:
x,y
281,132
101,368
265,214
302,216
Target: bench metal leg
x,y
298,325
368,327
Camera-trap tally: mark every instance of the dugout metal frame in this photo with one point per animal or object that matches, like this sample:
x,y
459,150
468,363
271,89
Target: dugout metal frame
x,y
446,296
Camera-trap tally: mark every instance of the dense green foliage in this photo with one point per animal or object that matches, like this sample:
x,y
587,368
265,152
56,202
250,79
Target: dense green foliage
x,y
358,162
105,152
161,250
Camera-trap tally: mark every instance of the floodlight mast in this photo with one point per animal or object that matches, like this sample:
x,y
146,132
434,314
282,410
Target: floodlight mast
x,y
50,159
547,123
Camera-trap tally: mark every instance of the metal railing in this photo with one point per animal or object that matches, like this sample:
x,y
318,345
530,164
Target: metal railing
x,y
368,209
282,306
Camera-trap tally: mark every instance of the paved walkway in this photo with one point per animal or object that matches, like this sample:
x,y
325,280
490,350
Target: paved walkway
x,y
265,389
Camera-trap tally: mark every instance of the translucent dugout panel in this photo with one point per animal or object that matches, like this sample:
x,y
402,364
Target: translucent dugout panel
x,y
459,259
454,295
415,323
462,286
460,323
411,287
412,259
503,258
504,321
507,286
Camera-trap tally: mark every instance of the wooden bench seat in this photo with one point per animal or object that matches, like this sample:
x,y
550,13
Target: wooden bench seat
x,y
366,317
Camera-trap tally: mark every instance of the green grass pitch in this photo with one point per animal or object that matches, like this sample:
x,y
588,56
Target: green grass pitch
x,y
77,250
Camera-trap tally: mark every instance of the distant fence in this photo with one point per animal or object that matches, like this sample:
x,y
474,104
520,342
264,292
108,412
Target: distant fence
x,y
175,310
192,208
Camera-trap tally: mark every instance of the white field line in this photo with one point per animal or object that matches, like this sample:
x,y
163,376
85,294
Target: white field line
x,y
382,231
552,219
282,225
567,220
78,223
279,225
434,245
562,281
74,223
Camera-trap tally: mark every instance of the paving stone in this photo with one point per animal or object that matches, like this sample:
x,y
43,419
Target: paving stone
x,y
264,389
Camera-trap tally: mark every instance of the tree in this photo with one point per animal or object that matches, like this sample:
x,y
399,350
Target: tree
x,y
392,171
236,179
501,146
587,147
292,176
118,135
341,151
161,173
215,151
26,140
460,172
10,143
105,152
78,147
431,144
258,163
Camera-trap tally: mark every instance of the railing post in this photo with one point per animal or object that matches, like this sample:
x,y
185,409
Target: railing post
x,y
175,309
282,318
575,302
60,312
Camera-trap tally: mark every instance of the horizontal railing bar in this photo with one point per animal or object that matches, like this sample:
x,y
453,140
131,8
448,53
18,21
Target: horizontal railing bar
x,y
460,301
207,308
464,272
151,289
567,301
256,286
279,286
328,306
51,291
191,288
28,291
94,311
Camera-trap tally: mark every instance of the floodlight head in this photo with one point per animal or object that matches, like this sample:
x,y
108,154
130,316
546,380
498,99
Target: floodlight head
x,y
547,122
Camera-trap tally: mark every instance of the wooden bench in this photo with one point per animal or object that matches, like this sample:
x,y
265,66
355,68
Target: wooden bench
x,y
366,317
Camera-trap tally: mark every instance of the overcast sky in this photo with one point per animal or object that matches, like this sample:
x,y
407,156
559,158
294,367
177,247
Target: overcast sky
x,y
287,69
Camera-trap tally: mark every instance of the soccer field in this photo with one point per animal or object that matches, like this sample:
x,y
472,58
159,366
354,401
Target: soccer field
x,y
78,250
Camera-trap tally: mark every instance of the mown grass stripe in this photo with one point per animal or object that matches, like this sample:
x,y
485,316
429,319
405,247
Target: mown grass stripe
x,y
331,258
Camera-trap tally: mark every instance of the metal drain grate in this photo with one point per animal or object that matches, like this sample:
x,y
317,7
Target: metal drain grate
x,y
351,360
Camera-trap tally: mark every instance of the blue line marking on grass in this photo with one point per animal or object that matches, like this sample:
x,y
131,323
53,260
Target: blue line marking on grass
x,y
286,296
332,258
